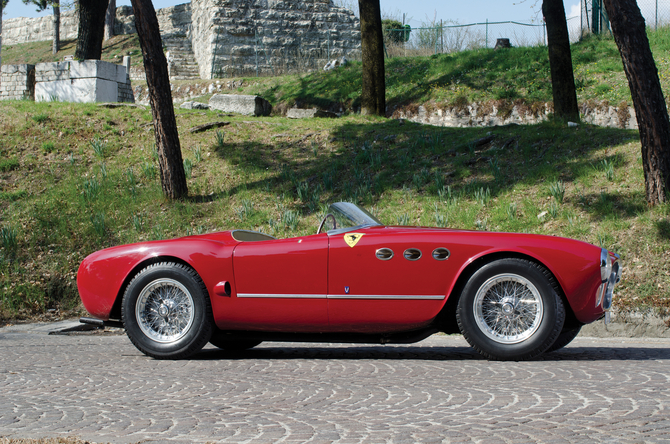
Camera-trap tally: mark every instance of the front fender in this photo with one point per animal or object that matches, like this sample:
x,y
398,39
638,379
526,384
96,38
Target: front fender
x,y
103,275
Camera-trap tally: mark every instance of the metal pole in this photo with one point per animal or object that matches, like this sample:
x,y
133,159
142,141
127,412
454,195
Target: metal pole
x,y
441,36
596,16
404,43
328,44
487,33
656,18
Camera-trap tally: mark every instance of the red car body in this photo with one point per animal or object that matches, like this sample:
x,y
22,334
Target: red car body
x,y
322,284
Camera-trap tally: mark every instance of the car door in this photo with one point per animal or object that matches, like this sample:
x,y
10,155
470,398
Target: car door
x,y
370,292
280,285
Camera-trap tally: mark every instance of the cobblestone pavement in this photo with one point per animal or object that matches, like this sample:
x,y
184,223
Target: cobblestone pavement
x,y
102,389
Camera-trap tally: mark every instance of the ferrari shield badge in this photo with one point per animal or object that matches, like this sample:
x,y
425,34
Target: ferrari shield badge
x,y
352,238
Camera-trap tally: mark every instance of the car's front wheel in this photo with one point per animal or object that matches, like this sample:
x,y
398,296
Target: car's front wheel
x,y
232,343
510,310
166,311
564,339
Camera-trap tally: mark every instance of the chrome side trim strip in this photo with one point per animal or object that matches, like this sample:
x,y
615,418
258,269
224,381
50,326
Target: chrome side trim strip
x,y
341,296
281,296
385,296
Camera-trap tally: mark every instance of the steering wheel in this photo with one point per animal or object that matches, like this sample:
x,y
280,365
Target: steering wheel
x,y
323,222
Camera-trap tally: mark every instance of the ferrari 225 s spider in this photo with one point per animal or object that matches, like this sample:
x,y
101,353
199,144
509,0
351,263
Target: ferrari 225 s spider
x,y
512,296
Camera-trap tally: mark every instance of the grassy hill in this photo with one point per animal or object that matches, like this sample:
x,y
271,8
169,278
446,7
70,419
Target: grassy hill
x,y
75,178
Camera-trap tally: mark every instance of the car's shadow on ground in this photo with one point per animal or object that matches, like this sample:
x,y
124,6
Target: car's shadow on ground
x,y
456,353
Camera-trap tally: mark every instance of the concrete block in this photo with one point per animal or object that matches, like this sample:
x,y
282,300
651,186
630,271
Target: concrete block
x,y
241,104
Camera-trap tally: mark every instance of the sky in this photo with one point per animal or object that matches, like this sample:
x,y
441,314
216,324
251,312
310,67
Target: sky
x,y
463,12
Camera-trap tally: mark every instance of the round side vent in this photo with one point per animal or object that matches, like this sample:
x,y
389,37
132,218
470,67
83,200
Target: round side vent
x,y
384,254
412,254
441,254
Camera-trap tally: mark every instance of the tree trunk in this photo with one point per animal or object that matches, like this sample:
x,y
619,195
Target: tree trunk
x,y
109,19
56,41
651,112
373,100
91,26
560,61
173,178
2,4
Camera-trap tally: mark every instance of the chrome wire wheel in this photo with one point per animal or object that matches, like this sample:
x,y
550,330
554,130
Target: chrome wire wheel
x,y
508,308
164,310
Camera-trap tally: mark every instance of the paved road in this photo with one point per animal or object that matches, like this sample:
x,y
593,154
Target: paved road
x,y
102,389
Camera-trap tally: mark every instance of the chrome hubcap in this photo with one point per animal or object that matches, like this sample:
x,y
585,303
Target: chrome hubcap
x,y
508,308
164,310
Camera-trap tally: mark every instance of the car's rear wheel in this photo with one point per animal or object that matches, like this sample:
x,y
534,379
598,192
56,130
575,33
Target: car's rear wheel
x,y
166,311
510,310
564,339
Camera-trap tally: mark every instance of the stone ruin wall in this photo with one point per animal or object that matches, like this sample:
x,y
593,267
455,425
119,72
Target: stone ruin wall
x,y
271,36
232,37
18,82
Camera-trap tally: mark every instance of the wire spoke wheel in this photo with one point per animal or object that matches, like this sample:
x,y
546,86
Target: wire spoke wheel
x,y
164,310
508,308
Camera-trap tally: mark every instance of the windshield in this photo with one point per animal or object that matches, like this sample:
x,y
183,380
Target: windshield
x,y
349,216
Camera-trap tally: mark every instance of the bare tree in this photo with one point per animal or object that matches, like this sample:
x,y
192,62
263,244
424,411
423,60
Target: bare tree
x,y
91,27
628,28
110,16
173,178
560,61
373,100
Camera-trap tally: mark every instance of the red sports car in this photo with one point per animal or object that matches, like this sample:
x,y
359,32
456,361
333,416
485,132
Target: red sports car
x,y
512,296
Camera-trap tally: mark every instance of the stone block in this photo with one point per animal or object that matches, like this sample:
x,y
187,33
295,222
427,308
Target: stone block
x,y
241,104
194,105
246,50
297,113
87,90
51,66
10,69
97,69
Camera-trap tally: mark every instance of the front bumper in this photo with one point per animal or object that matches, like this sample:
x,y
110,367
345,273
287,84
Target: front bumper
x,y
610,273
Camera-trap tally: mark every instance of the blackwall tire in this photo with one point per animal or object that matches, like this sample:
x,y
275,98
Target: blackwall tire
x,y
510,310
232,344
166,311
564,339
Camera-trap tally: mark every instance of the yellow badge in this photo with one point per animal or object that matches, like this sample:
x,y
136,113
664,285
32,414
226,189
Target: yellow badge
x,y
352,238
